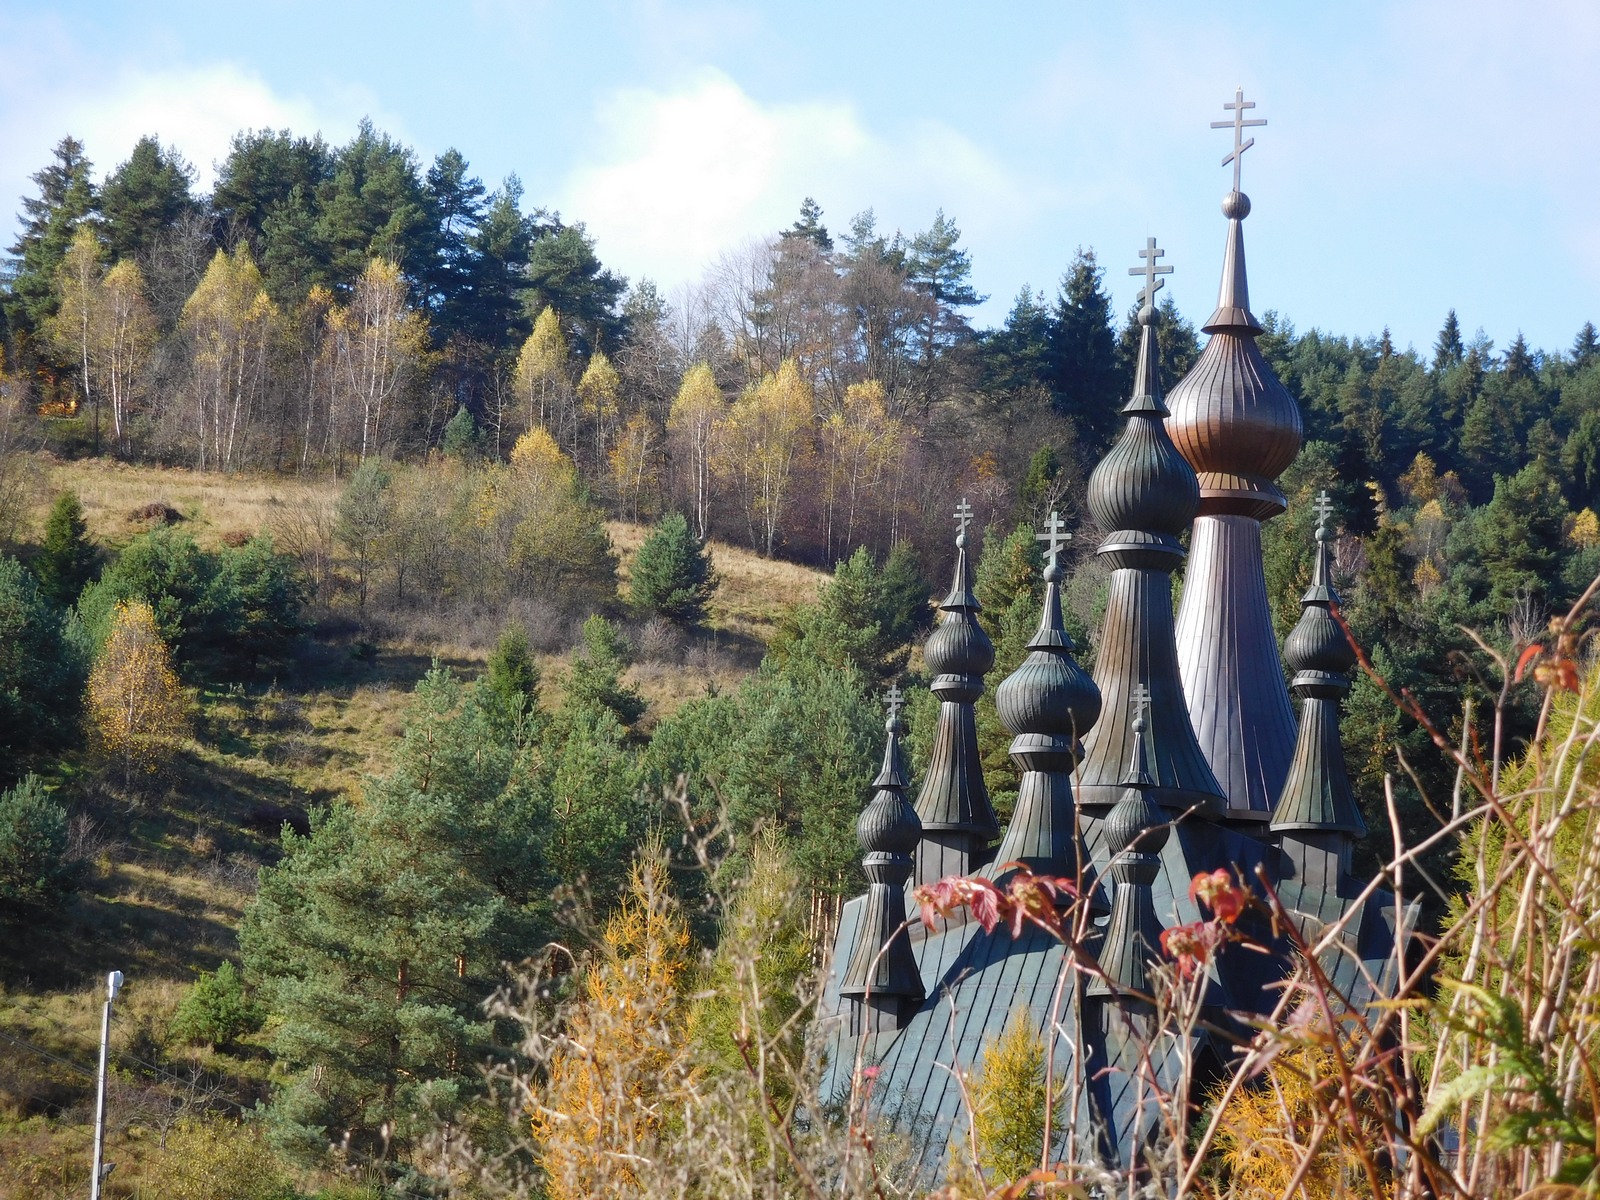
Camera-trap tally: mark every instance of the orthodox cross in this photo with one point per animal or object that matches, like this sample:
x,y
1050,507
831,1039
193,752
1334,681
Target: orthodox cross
x,y
1239,124
1152,285
1141,703
1324,507
893,700
1055,536
963,517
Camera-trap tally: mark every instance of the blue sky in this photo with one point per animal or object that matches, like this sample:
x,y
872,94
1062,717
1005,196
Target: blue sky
x,y
1419,155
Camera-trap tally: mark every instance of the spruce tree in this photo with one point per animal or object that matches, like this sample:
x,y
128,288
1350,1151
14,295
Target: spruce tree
x,y
66,199
33,845
1586,346
1085,382
66,560
595,680
1448,349
672,574
143,198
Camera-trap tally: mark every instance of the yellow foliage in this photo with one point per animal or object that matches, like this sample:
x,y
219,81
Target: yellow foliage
x,y
612,1086
140,712
1585,531
537,454
600,389
1426,577
763,436
1008,1101
1266,1129
1421,480
214,1158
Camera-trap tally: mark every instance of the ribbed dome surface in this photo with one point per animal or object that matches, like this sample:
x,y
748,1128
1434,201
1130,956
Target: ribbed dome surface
x,y
1237,426
1143,483
1049,694
888,825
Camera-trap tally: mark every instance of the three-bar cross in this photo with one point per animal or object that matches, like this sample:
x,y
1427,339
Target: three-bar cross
x,y
963,517
1324,508
1141,703
1152,285
1054,537
1239,125
894,700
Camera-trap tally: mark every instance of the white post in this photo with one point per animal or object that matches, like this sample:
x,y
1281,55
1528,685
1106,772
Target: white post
x,y
113,983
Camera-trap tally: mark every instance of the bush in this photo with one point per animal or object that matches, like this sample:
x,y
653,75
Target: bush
x,y
258,596
215,1159
672,573
33,843
66,560
216,1011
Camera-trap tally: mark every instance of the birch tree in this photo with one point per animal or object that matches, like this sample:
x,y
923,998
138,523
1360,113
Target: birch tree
x,y
231,324
763,438
72,328
692,423
126,336
376,350
542,384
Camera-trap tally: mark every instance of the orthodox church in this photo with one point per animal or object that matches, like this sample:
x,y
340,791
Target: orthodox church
x,y
1181,755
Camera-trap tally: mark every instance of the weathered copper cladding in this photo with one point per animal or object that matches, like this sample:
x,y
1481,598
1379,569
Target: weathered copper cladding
x,y
958,821
1146,494
1317,817
1048,703
1239,428
882,981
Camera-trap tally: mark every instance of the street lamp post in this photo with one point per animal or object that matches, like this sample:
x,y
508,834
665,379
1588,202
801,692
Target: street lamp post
x,y
113,985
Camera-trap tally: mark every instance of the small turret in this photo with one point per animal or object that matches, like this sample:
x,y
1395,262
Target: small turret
x,y
1048,703
881,981
958,821
1317,818
1136,830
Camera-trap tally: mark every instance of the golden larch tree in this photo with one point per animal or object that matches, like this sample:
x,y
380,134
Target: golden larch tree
x,y
625,1062
600,399
140,712
542,384
692,424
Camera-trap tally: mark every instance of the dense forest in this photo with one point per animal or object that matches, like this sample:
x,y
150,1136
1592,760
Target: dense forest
x,y
471,402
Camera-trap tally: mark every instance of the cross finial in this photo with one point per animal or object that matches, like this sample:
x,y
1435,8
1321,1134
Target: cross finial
x,y
894,700
1054,537
1239,125
963,518
1141,704
1324,508
1152,285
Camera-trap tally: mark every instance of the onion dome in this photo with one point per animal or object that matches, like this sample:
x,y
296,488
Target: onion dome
x,y
1135,831
958,821
1048,703
881,980
1317,796
1145,493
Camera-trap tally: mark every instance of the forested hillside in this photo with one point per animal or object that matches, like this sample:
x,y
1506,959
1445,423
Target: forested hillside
x,y
382,572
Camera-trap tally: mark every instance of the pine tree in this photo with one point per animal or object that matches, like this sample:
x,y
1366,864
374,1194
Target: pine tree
x,y
1448,349
65,201
672,574
143,198
595,680
511,677
1085,383
33,844
809,226
41,672
66,560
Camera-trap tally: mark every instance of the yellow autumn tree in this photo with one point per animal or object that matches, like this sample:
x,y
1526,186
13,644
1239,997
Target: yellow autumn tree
x,y
1585,531
600,400
761,441
231,325
624,1063
375,348
1008,1103
125,338
73,327
863,444
139,711
541,383
692,423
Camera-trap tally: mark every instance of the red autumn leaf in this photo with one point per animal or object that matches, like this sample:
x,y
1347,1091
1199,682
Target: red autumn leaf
x,y
1528,655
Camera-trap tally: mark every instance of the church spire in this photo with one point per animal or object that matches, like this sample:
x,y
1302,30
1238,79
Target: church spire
x,y
1048,703
1317,817
1146,495
958,821
1240,429
883,984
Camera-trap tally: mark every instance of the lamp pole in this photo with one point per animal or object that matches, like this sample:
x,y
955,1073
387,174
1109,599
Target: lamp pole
x,y
113,985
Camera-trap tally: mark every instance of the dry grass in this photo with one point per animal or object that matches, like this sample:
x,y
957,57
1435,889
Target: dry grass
x,y
212,505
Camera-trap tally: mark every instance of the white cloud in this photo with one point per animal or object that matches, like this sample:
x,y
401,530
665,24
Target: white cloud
x,y
678,177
